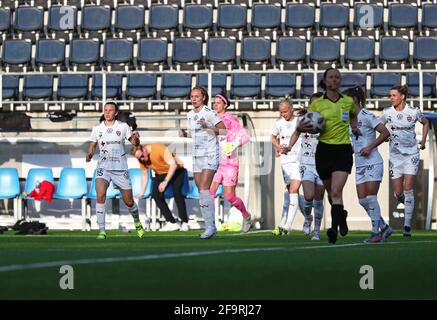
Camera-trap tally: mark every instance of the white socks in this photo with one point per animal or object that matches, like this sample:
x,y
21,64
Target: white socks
x,y
318,214
292,209
100,213
207,209
285,209
134,212
409,207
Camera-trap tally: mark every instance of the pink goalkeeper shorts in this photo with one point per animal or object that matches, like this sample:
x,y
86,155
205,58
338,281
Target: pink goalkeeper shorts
x,y
226,175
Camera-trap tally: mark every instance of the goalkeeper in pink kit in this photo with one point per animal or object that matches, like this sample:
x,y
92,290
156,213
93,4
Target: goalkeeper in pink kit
x,y
227,173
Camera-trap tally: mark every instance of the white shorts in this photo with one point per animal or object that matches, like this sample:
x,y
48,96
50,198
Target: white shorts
x,y
290,171
205,162
120,178
404,164
369,173
308,172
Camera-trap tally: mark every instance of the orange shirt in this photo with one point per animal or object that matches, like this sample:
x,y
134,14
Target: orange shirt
x,y
158,158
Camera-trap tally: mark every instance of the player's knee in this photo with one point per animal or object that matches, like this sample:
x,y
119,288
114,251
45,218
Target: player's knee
x,y
101,198
336,192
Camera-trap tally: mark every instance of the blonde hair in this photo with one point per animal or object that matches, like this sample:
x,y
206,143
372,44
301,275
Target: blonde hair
x,y
287,100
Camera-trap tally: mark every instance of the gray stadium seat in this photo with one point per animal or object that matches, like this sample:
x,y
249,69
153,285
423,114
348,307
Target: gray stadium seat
x,y
10,87
307,85
245,85
429,84
291,51
280,85
221,51
96,19
118,53
429,18
325,50
383,82
5,22
72,86
163,20
129,18
350,80
50,52
141,86
394,50
187,51
299,18
218,82
17,52
152,52
363,25
256,51
29,21
38,86
84,52
425,50
176,85
334,17
402,18
113,86
360,51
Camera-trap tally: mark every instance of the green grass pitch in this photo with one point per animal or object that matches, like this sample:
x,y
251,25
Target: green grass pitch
x,y
177,265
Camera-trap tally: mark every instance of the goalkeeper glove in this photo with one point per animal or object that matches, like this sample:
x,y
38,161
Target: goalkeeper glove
x,y
228,147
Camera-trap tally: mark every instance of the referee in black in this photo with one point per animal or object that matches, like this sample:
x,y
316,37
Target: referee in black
x,y
334,151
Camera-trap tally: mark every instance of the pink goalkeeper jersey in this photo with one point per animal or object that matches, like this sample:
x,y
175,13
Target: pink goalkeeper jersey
x,y
234,133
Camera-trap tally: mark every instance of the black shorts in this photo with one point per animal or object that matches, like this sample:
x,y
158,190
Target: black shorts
x,y
333,157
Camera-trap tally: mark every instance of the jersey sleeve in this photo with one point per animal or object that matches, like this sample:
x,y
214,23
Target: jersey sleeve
x,y
373,120
128,132
214,118
419,115
383,117
275,129
93,137
240,135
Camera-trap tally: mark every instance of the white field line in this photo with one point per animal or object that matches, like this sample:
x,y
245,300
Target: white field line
x,y
50,264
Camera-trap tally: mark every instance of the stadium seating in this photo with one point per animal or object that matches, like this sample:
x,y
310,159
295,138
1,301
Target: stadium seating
x,y
299,19
135,178
10,183
218,84
118,53
17,53
232,19
176,85
221,52
290,52
153,53
187,52
72,184
383,82
245,85
280,85
113,86
50,52
360,52
72,86
429,84
141,86
37,175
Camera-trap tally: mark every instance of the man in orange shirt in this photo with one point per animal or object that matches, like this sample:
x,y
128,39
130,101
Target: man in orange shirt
x,y
168,170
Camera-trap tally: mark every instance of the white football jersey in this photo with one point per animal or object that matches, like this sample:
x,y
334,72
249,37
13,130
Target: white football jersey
x,y
367,122
402,129
205,141
111,145
284,130
308,148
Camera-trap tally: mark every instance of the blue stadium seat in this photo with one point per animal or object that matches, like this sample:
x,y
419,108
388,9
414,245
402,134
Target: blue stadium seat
x,y
111,192
280,85
72,86
383,82
135,179
129,18
17,52
231,18
38,86
197,19
29,19
360,51
113,86
10,87
5,22
50,52
72,184
10,183
256,51
363,22
141,86
425,50
118,52
163,20
59,24
187,51
221,52
394,50
291,51
429,18
176,85
299,18
37,175
152,52
168,194
84,52
245,85
429,84
96,19
218,82
307,85
266,18
194,191
350,80
325,50
402,16
334,16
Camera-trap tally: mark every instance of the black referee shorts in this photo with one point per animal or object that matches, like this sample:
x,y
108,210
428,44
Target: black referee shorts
x,y
333,157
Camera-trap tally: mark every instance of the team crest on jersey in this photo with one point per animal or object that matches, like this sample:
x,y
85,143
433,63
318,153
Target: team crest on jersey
x,y
399,116
409,118
109,130
118,133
